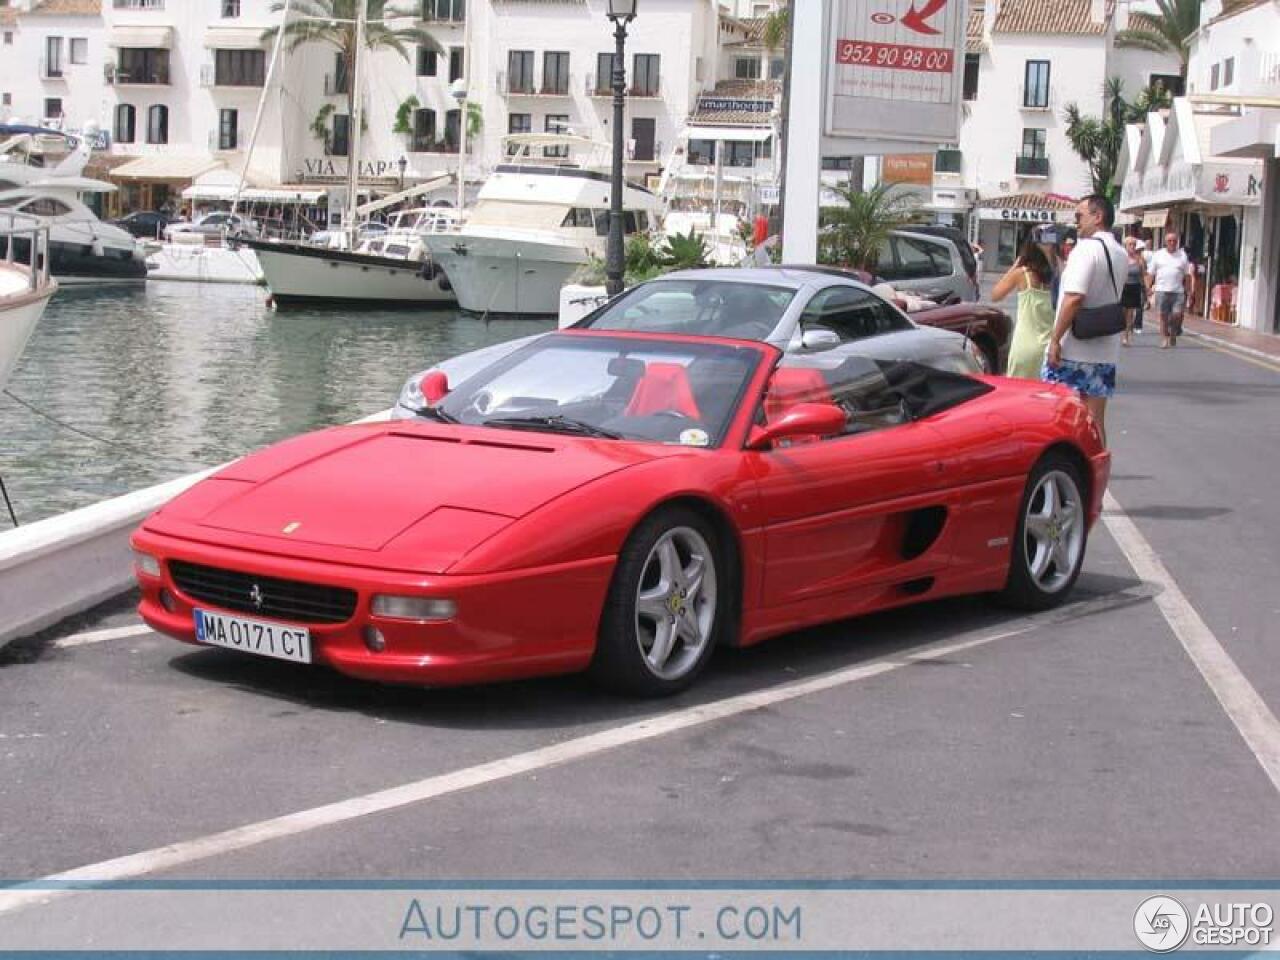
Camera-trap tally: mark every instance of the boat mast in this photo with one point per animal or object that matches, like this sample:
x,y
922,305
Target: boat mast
x,y
357,122
262,104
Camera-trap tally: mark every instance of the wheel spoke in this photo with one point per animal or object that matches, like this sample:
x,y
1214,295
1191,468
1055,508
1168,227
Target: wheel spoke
x,y
669,561
652,604
663,637
687,628
1040,562
1051,496
1062,558
1038,527
693,577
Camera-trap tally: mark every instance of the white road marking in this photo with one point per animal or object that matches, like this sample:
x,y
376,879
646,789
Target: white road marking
x,y
239,838
98,636
1252,717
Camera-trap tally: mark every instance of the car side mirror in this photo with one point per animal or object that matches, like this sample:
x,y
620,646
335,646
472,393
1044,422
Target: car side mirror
x,y
815,341
434,386
802,420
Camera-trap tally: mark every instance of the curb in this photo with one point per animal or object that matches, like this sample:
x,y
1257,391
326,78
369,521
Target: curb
x,y
1233,346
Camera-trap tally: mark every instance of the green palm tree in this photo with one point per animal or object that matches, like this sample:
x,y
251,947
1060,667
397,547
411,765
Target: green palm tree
x,y
854,233
1099,140
332,22
1166,32
776,25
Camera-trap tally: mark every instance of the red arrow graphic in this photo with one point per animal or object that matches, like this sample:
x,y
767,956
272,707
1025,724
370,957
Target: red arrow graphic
x,y
918,20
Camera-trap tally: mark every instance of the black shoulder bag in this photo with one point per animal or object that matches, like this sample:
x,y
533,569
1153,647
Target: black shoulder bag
x,y
1105,321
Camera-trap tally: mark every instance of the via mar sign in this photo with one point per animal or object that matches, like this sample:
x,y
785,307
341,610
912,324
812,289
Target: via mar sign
x,y
895,69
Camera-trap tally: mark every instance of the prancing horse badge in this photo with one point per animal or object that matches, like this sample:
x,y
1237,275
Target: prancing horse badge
x,y
289,528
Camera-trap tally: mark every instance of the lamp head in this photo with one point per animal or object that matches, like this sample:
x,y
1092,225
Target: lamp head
x,y
624,10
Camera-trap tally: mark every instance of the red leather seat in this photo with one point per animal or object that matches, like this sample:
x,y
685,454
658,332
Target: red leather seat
x,y
664,386
794,385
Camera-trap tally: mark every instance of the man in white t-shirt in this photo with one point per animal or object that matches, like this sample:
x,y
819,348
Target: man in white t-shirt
x,y
1094,277
1169,280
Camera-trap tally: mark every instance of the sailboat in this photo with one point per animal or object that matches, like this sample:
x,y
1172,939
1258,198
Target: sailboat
x,y
392,274
25,289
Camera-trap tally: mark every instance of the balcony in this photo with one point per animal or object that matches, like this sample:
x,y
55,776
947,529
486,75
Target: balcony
x,y
605,89
1032,167
137,4
216,144
48,72
148,78
429,145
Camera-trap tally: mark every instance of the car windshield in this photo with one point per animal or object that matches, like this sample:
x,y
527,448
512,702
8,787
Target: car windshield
x,y
715,308
608,387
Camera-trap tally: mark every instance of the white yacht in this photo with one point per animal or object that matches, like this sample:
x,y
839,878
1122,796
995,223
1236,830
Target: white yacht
x,y
534,225
25,289
83,249
392,268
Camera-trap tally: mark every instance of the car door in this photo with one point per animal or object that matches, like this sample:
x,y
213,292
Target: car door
x,y
837,512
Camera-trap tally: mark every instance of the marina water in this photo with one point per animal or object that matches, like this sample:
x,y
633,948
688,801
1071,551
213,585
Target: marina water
x,y
181,376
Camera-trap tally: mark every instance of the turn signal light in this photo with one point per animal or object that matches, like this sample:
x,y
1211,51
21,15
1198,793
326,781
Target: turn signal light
x,y
413,608
146,563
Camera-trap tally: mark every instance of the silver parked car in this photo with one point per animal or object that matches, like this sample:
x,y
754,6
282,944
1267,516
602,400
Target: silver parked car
x,y
215,225
934,263
819,314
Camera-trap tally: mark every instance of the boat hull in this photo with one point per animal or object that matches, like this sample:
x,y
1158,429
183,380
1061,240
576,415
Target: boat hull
x,y
192,263
20,311
506,276
72,262
298,274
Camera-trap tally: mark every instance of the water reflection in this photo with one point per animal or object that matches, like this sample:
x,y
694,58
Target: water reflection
x,y
183,376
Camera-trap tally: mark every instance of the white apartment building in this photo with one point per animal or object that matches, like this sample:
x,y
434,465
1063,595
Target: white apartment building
x,y
51,58
1025,61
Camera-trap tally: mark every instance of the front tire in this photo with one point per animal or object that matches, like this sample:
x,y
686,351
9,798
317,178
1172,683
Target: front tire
x,y
665,607
1049,545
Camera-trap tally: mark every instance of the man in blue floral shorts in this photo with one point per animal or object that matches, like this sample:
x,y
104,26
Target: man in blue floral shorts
x,y
1088,366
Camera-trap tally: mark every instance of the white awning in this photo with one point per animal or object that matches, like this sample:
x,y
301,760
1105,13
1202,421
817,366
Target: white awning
x,y
1155,219
740,134
153,38
281,195
163,166
233,38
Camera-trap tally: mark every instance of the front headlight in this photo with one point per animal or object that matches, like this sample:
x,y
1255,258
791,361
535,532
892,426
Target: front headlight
x,y
146,564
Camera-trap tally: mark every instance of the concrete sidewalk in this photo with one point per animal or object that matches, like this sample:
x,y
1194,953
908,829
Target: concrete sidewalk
x,y
1264,346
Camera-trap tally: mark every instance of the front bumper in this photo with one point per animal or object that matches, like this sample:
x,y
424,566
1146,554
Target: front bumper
x,y
520,623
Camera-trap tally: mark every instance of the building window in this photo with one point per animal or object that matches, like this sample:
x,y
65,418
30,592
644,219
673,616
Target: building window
x,y
739,153
1033,161
1213,77
240,68
452,130
6,99
339,142
604,73
126,123
79,49
1228,71
644,78
142,65
8,38
455,64
972,62
53,108
424,131
427,62
230,9
1035,87
1171,82
518,123
451,11
158,124
556,123
53,56
520,71
837,163
777,68
746,68
228,129
947,160
702,152
555,73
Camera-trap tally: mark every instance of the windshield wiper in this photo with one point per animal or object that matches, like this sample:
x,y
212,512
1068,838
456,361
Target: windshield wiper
x,y
556,424
436,414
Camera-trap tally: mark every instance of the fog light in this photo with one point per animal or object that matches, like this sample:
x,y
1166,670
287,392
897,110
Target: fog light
x,y
374,640
168,601
413,608
146,563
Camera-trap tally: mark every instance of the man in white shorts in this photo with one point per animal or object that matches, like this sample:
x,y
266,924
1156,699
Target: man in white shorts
x,y
1169,280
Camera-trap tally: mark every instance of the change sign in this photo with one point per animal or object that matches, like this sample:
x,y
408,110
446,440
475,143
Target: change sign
x,y
895,69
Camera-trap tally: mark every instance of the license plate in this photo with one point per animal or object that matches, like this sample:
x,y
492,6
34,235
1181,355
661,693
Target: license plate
x,y
254,636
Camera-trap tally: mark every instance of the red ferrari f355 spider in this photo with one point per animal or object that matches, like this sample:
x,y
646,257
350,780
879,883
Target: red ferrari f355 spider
x,y
625,503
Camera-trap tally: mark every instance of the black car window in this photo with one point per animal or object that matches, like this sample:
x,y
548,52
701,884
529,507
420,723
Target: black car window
x,y
851,313
886,269
921,259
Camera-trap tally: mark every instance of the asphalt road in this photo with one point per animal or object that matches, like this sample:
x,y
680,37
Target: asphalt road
x,y
949,741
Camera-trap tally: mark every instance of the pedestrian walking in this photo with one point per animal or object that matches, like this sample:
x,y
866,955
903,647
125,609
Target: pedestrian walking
x,y
1031,276
1135,287
1091,288
1169,279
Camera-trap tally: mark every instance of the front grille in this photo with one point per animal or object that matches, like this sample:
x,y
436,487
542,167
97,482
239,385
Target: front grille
x,y
284,599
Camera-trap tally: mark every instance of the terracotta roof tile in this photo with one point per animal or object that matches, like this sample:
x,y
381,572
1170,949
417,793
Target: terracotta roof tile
x,y
973,30
1050,16
1029,201
8,16
1231,8
74,8
1142,21
747,89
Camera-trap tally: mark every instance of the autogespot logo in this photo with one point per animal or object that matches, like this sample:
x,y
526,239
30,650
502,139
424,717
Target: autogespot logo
x,y
1161,923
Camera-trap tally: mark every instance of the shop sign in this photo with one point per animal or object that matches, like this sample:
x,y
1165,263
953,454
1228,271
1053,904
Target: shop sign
x,y
914,168
319,168
733,105
1017,215
1231,184
894,73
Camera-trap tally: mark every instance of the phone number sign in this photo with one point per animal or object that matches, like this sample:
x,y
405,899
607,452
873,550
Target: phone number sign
x,y
895,69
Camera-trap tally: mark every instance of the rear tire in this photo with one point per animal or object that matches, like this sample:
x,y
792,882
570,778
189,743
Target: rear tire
x,y
1049,544
666,606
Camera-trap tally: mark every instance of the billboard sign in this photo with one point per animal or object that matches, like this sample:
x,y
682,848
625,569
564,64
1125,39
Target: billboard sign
x,y
895,69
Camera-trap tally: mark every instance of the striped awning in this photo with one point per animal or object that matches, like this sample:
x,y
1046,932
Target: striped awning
x,y
233,38
149,38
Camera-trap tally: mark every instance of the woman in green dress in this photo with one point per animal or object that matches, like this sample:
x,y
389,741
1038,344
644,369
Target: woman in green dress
x,y
1032,276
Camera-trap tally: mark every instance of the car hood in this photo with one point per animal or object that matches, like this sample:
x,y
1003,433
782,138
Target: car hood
x,y
414,497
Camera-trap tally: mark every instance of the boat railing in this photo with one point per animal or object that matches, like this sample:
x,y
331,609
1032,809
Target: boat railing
x,y
15,226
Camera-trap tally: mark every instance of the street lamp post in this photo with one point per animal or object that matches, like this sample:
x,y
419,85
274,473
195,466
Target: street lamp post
x,y
458,90
621,12
402,163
